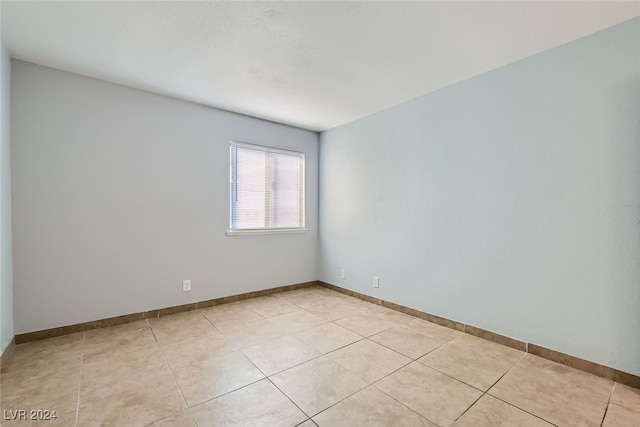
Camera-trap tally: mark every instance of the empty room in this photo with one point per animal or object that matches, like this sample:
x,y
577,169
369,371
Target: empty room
x,y
316,213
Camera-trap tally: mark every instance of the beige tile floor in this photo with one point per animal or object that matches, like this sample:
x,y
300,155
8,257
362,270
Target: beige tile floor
x,y
310,357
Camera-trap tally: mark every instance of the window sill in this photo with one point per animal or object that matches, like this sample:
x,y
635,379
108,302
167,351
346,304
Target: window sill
x,y
254,232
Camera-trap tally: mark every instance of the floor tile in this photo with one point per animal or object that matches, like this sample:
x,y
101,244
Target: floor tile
x,y
102,376
279,354
411,343
42,374
306,298
230,313
491,412
317,384
365,325
202,345
327,337
368,360
626,396
370,407
431,329
474,361
619,416
270,306
47,389
299,297
297,321
181,326
333,311
248,334
104,342
181,419
203,376
210,365
134,405
358,306
322,298
45,355
435,396
259,404
388,314
554,392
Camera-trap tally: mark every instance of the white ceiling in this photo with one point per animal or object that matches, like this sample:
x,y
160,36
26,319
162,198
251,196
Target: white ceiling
x,y
315,65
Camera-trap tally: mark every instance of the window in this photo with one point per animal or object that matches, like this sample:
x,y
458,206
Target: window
x,y
267,190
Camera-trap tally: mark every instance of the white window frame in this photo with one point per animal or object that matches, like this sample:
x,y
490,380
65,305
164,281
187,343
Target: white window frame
x,y
267,230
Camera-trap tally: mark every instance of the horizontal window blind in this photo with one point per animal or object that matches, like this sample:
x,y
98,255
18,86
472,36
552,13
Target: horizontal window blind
x,y
267,188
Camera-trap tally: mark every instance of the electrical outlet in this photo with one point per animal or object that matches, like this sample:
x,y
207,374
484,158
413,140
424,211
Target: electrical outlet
x,y
186,285
343,273
376,282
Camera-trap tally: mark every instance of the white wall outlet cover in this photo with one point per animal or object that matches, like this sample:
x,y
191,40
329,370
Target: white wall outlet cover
x,y
376,282
186,285
343,273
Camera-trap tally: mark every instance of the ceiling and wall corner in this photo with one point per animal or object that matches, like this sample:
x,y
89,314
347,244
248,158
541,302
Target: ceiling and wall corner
x,y
315,65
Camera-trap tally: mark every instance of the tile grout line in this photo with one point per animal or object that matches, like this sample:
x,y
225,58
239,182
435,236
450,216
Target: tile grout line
x,y
315,358
448,375
226,393
152,332
504,401
362,338
240,351
511,404
84,334
537,416
288,398
401,403
606,408
213,325
487,391
170,370
484,392
189,408
343,399
411,360
522,409
166,362
373,384
301,363
440,372
402,354
468,408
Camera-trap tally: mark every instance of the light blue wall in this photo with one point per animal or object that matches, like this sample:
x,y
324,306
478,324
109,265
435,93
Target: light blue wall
x,y
510,201
6,268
